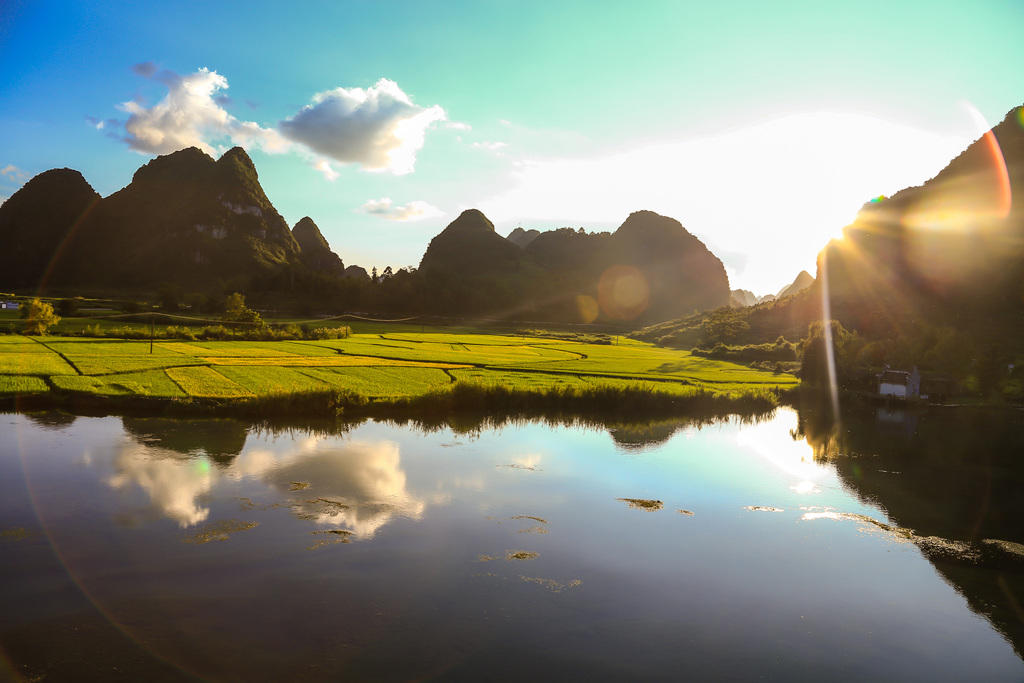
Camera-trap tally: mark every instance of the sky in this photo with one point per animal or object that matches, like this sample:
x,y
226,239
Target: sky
x,y
761,127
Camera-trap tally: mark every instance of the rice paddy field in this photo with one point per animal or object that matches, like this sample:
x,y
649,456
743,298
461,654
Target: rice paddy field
x,y
380,365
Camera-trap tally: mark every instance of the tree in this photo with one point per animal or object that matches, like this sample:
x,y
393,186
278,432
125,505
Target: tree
x,y
39,317
845,344
236,311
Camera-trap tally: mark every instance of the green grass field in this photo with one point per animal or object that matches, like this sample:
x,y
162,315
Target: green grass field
x,y
388,364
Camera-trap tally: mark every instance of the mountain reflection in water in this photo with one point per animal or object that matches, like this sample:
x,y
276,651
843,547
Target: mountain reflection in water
x,y
955,476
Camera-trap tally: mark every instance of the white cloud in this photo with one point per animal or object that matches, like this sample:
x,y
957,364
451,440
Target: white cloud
x,y
778,189
174,485
3,199
13,173
324,167
458,125
413,211
490,146
378,128
190,116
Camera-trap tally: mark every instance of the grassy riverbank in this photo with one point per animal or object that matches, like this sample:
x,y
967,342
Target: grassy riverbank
x,y
399,370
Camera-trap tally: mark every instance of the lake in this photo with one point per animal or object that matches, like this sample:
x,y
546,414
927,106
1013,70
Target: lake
x,y
786,548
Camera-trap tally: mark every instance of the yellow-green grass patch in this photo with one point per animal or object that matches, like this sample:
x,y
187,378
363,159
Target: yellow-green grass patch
x,y
641,360
105,365
22,345
326,362
98,347
206,382
517,380
40,363
455,352
148,383
6,339
22,384
379,382
236,349
271,379
471,339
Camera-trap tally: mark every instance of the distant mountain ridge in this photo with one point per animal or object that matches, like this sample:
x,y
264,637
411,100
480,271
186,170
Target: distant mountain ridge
x,y
802,281
575,275
204,225
522,238
314,250
184,219
741,298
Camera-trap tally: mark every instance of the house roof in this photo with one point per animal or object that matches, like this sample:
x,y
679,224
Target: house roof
x,y
894,377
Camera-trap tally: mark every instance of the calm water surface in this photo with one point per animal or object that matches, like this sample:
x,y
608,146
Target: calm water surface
x,y
162,550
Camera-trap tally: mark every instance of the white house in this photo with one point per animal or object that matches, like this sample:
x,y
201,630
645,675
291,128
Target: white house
x,y
899,383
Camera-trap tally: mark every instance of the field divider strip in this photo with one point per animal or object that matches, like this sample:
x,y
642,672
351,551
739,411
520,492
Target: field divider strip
x,y
641,378
114,373
176,383
580,355
577,373
231,381
63,357
302,371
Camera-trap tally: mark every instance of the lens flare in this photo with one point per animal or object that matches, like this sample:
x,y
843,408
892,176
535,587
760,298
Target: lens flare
x,y
826,321
968,203
623,293
879,198
1005,200
63,246
587,307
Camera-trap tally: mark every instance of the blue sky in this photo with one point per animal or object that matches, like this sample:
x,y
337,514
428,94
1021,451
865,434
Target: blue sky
x,y
761,129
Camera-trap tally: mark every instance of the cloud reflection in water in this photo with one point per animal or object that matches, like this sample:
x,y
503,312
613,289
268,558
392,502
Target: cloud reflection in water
x,y
359,486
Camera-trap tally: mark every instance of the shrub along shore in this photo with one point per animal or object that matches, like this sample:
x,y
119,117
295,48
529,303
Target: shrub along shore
x,y
464,400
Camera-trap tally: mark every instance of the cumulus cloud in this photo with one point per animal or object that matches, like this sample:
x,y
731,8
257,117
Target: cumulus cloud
x,y
413,211
190,116
378,128
458,125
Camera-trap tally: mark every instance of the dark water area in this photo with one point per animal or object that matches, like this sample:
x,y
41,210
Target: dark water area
x,y
792,547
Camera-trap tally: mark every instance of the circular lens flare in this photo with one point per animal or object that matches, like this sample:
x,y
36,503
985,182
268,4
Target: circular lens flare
x,y
587,308
623,293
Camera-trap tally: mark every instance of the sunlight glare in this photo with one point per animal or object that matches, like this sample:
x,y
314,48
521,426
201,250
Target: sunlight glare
x,y
777,189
